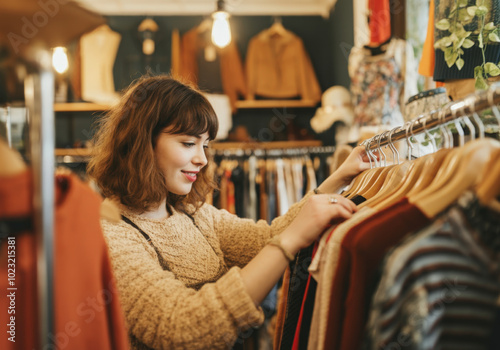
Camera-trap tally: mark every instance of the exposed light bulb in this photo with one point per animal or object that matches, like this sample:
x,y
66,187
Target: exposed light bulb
x,y
221,32
60,60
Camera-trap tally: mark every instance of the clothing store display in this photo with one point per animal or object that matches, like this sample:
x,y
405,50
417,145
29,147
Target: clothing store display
x,y
205,283
232,79
440,286
278,66
87,309
98,51
381,84
472,56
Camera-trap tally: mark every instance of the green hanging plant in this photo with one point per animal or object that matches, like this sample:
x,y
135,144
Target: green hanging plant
x,y
460,39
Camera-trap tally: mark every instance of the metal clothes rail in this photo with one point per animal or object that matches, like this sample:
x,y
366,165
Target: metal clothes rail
x,y
469,106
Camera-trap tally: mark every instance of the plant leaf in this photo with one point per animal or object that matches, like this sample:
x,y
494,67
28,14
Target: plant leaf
x,y
450,56
460,63
480,84
491,69
479,2
481,10
478,71
494,37
443,24
490,26
467,44
471,10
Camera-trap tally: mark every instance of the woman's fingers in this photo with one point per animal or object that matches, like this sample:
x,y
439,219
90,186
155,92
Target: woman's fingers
x,y
346,203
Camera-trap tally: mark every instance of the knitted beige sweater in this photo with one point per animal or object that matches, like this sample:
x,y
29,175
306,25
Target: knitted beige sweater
x,y
200,301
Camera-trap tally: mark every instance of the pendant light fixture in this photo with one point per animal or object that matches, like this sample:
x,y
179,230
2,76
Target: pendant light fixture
x,y
221,31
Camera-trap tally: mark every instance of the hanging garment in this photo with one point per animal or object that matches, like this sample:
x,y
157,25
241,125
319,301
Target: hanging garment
x,y
379,21
87,310
323,269
230,66
388,226
278,66
427,62
282,194
440,287
98,52
296,291
381,84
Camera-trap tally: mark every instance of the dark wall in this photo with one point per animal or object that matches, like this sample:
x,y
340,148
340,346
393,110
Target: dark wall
x,y
327,42
131,63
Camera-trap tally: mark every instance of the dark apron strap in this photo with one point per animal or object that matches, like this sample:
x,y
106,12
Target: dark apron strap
x,y
162,261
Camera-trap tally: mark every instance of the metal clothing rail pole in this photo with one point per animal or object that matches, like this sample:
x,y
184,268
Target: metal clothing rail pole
x,y
39,94
472,103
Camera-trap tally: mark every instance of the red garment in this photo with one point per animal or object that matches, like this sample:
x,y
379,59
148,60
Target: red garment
x,y
362,250
380,21
87,312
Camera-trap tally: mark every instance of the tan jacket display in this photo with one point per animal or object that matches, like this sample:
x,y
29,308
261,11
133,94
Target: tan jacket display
x,y
200,301
278,66
232,76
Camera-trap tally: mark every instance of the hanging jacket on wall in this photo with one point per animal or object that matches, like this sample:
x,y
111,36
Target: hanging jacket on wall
x,y
278,66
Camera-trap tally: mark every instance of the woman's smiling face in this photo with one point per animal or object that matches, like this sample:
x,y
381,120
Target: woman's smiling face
x,y
180,157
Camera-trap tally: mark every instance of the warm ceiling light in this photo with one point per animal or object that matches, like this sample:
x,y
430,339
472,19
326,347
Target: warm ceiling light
x,y
221,32
60,59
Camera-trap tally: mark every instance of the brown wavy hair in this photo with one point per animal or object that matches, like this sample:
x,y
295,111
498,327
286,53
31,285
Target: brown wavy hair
x,y
123,162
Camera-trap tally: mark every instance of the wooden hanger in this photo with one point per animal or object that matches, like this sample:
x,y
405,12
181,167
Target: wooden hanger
x,y
11,162
488,189
277,27
470,160
374,183
392,182
362,179
420,174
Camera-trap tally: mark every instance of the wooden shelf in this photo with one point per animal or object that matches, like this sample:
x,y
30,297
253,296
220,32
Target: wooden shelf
x,y
243,104
248,104
79,107
73,152
265,145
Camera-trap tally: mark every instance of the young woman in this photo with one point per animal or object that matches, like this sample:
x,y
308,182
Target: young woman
x,y
191,276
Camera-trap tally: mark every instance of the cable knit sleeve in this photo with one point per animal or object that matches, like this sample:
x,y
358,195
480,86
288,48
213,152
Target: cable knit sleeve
x,y
161,312
241,239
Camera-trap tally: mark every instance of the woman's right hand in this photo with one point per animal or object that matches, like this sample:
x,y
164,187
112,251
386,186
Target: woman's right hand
x,y
317,214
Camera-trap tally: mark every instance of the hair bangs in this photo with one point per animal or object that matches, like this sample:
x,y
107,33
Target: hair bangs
x,y
195,117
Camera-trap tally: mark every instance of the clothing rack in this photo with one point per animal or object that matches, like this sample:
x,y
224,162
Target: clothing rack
x,y
274,149
468,106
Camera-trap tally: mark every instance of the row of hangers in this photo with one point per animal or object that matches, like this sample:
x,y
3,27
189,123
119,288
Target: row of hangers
x,y
272,153
435,181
